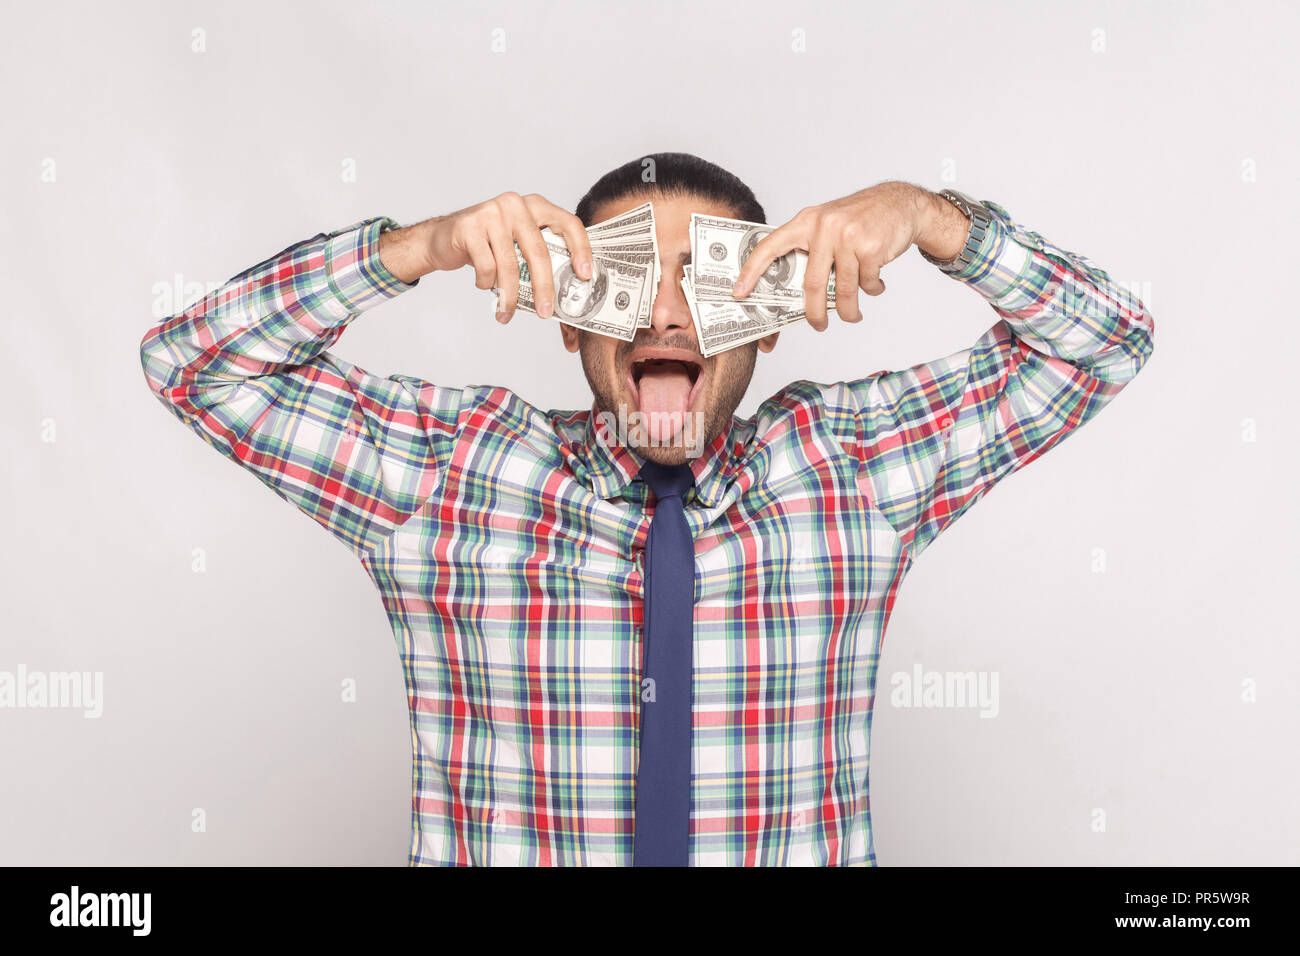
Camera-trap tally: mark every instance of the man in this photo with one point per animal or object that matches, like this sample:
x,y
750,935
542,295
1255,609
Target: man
x,y
509,543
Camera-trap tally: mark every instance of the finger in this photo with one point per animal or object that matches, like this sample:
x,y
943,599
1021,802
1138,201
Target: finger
x,y
531,244
870,280
569,226
485,266
846,286
816,277
793,235
503,250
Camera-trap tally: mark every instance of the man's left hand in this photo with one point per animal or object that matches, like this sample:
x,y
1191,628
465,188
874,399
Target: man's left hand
x,y
858,234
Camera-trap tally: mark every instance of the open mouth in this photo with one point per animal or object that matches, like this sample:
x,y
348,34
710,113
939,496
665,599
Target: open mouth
x,y
663,367
690,368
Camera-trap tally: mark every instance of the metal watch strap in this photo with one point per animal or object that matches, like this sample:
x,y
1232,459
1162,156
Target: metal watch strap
x,y
979,226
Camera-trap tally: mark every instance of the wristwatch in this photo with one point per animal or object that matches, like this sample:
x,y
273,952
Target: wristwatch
x,y
979,226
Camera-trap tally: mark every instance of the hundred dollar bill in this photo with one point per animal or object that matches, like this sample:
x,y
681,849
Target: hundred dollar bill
x,y
631,231
648,257
608,303
635,225
629,251
724,325
719,247
633,220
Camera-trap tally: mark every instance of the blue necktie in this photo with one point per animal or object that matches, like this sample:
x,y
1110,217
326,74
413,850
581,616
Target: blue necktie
x,y
663,780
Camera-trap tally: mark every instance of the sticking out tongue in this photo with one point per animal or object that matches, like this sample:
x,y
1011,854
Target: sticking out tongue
x,y
664,388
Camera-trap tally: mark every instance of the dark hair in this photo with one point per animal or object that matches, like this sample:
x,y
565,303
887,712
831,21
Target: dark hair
x,y
673,174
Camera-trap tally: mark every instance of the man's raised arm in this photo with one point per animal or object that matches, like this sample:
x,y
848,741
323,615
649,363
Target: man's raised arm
x,y
936,437
247,367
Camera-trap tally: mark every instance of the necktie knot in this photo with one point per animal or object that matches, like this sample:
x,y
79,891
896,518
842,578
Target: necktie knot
x,y
667,481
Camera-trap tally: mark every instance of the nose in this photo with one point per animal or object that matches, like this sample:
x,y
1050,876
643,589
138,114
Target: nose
x,y
670,311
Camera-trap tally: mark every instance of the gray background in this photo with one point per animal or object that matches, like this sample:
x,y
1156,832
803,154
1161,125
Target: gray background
x,y
1120,691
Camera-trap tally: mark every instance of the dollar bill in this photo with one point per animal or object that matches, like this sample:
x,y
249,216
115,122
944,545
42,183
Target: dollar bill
x,y
720,247
724,325
620,297
640,253
634,220
629,237
609,303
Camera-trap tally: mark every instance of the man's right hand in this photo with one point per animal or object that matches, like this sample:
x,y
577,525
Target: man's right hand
x,y
484,237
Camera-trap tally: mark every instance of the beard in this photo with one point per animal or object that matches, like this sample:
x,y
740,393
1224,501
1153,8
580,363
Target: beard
x,y
729,384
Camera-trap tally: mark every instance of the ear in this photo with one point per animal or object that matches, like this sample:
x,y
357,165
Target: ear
x,y
768,342
569,334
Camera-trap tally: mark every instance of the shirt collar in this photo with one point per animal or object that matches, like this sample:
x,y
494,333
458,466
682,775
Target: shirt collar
x,y
612,466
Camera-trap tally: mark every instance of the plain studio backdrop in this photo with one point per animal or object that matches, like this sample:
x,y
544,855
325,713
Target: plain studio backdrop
x,y
1133,590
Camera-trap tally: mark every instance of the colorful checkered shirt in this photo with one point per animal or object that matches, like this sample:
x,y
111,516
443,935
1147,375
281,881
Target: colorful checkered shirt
x,y
507,545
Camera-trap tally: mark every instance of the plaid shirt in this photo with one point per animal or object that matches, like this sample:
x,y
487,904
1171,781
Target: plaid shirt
x,y
507,543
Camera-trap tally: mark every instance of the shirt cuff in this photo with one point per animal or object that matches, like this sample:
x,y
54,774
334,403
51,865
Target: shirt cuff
x,y
355,272
1000,262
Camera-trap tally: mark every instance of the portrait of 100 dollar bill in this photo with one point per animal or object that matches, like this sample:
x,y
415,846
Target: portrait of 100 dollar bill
x,y
625,273
609,303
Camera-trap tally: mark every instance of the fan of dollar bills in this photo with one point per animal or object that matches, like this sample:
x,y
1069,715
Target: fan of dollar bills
x,y
617,299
